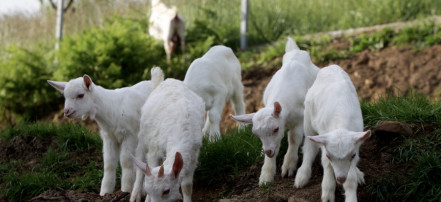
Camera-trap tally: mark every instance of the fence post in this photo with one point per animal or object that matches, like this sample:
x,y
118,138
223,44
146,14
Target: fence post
x,y
59,26
244,25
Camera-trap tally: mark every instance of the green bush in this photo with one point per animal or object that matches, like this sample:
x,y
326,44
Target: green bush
x,y
116,55
24,92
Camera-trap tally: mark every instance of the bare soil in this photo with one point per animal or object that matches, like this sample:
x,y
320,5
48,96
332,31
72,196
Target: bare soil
x,y
392,70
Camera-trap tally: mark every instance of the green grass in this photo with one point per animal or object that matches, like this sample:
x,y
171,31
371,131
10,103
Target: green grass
x,y
228,156
425,33
267,22
380,189
414,108
56,166
419,155
71,137
422,182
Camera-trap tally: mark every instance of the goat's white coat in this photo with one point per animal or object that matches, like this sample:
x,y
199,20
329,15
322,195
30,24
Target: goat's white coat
x,y
333,121
288,87
166,24
171,121
117,113
216,78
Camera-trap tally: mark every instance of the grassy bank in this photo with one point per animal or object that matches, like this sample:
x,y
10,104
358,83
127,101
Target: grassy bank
x,y
69,155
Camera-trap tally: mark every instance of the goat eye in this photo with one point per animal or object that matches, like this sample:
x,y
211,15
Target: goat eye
x,y
353,156
276,130
166,192
80,96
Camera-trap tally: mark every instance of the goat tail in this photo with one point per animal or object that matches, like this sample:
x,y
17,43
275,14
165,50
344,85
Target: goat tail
x,y
157,76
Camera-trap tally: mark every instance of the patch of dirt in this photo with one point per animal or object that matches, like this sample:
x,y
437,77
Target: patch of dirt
x,y
390,71
69,195
25,147
394,70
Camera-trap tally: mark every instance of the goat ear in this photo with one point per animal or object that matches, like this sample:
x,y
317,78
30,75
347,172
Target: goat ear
x,y
362,136
277,109
320,140
87,81
141,165
161,171
244,118
178,164
59,85
291,45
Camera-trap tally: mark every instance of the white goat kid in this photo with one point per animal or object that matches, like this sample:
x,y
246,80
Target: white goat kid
x,y
117,113
216,78
283,99
168,25
170,133
333,122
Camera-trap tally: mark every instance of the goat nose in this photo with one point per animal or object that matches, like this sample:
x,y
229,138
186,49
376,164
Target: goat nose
x,y
269,153
341,179
66,111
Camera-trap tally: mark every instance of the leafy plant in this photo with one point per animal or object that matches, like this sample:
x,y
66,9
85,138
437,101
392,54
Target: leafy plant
x,y
24,91
116,55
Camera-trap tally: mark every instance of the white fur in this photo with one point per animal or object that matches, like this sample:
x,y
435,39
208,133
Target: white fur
x,y
117,113
171,121
216,78
287,87
167,24
334,122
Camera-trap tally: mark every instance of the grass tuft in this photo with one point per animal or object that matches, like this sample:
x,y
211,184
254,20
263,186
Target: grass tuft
x,y
56,166
414,108
228,156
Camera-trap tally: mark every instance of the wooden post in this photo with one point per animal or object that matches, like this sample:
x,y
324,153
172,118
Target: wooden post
x,y
59,26
244,25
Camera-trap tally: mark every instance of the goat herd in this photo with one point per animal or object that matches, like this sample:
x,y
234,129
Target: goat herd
x,y
162,122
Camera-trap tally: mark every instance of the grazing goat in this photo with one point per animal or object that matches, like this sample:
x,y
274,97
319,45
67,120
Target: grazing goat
x,y
334,122
170,133
216,78
117,113
283,99
168,25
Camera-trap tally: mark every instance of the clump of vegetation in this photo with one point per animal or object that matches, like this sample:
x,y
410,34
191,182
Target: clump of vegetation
x,y
116,55
421,155
23,74
414,108
57,166
228,156
426,33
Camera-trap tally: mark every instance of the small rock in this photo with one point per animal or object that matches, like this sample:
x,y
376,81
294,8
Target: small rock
x,y
388,127
369,83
